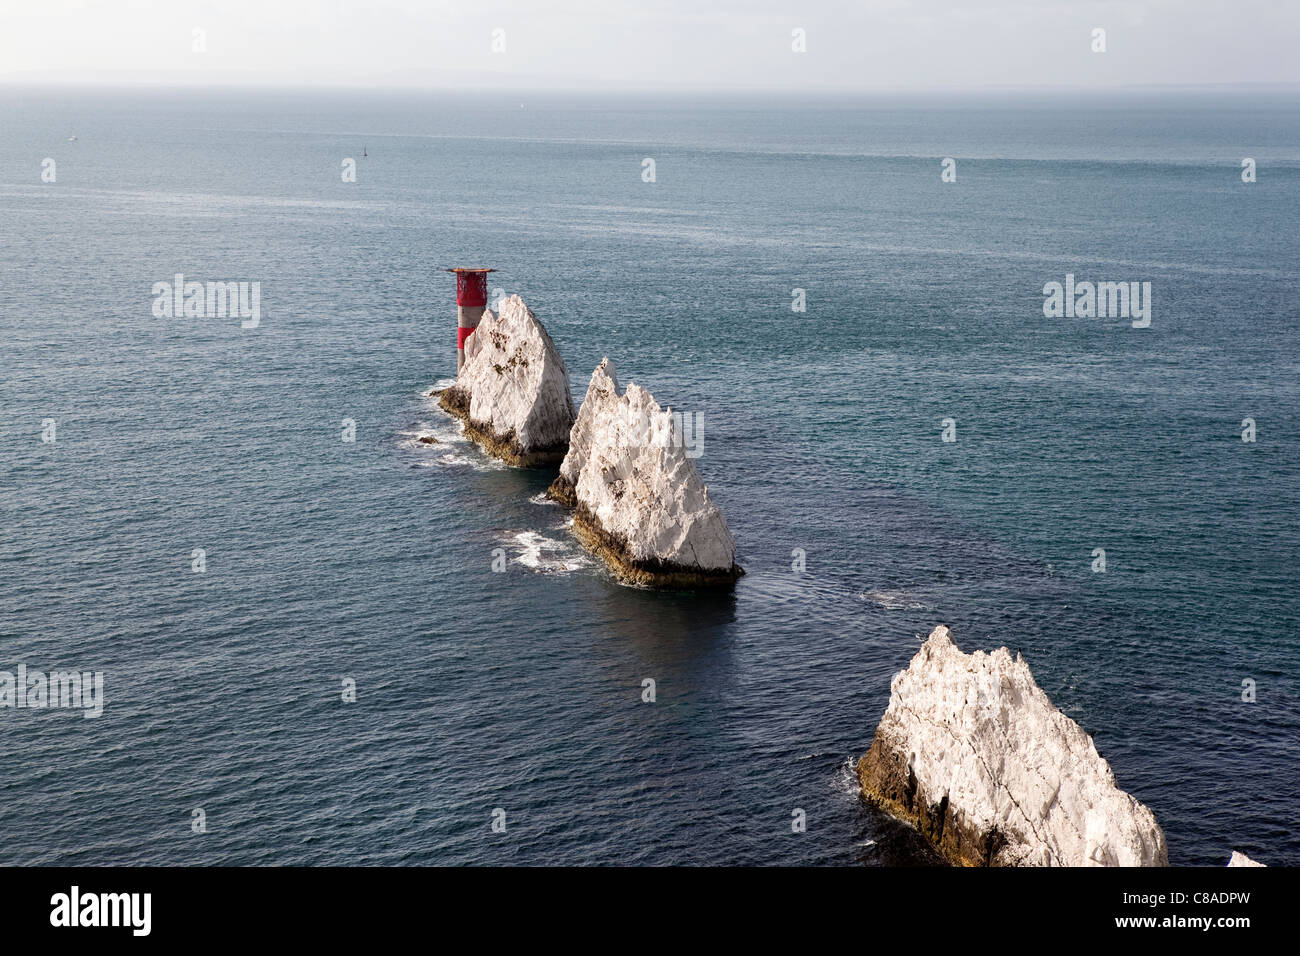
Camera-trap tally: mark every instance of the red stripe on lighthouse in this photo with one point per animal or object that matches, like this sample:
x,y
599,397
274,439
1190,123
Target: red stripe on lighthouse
x,y
471,288
462,334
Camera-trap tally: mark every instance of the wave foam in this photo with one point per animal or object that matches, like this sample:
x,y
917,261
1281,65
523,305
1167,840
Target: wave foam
x,y
545,555
893,600
845,780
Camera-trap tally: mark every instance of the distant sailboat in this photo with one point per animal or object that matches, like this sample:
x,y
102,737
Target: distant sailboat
x,y
363,152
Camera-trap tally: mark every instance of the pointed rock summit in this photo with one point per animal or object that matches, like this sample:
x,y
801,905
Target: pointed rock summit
x,y
974,754
513,393
638,501
1240,859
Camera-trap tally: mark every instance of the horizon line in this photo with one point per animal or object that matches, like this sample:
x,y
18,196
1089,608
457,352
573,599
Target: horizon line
x,y
12,81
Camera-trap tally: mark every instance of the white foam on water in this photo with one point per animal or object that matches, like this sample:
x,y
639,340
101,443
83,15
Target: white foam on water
x,y
845,781
472,460
893,600
455,452
411,439
448,430
541,499
452,448
545,555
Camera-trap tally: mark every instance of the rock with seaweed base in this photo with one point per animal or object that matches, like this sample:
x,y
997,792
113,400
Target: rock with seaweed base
x,y
638,500
513,393
973,753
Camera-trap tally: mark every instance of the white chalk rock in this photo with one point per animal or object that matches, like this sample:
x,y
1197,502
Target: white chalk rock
x,y
513,392
1240,859
973,752
640,501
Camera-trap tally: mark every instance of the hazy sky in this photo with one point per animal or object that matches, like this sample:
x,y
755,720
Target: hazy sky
x,y
696,44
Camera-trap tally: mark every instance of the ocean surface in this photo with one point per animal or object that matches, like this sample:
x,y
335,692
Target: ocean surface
x,y
371,560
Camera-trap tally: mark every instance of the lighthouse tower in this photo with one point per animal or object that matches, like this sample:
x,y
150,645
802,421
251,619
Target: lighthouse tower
x,y
471,299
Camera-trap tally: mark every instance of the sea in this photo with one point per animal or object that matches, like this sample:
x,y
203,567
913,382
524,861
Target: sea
x,y
325,641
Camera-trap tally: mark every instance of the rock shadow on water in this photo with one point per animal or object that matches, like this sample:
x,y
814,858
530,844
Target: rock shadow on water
x,y
679,635
881,840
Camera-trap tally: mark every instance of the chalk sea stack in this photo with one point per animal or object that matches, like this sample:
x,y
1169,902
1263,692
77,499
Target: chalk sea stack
x,y
638,500
973,753
1240,859
513,391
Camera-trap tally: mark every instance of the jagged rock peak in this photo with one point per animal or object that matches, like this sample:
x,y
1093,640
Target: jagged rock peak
x,y
973,753
513,393
1240,859
639,501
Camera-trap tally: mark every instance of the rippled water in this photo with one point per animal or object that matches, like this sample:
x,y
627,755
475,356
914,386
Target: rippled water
x,y
372,560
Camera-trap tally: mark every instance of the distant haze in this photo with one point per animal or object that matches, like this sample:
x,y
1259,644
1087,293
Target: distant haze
x,y
722,45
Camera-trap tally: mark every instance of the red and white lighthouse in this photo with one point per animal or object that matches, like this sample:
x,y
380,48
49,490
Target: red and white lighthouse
x,y
471,299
